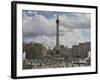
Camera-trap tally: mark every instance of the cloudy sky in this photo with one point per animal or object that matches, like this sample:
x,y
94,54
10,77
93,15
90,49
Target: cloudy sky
x,y
40,26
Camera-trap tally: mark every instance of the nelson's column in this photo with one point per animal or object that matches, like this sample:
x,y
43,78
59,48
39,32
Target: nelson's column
x,y
57,34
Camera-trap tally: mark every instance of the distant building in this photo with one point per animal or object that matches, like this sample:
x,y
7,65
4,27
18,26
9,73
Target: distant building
x,y
81,50
65,52
77,51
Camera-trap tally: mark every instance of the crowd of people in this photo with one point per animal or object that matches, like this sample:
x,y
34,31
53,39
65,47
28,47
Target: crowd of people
x,y
50,62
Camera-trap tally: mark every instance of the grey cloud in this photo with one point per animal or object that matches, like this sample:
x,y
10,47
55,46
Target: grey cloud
x,y
78,21
36,26
39,25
